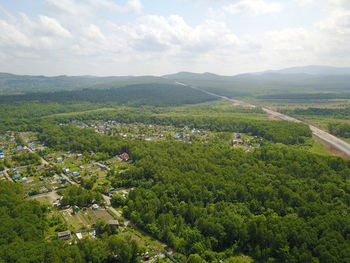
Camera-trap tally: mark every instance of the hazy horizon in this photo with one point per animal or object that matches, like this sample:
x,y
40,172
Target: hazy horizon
x,y
191,72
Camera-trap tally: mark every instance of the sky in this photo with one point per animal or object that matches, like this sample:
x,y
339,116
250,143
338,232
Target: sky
x,y
156,37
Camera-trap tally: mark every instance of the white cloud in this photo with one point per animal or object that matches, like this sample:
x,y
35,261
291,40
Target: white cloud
x,y
11,36
332,3
52,26
93,32
159,33
134,6
88,8
326,42
68,7
106,37
338,22
288,40
252,7
291,46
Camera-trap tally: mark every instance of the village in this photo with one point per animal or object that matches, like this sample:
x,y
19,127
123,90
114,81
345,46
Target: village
x,y
45,174
150,132
147,132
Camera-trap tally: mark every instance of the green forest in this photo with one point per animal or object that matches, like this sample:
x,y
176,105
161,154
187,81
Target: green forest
x,y
277,204
207,201
23,224
341,113
133,95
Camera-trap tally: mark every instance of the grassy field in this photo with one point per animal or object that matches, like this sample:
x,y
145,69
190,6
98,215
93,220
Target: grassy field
x,y
320,148
301,104
48,198
142,239
213,109
84,219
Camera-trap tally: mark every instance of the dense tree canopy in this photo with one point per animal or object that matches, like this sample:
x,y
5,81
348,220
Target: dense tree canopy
x,y
339,129
136,95
23,225
207,201
277,204
341,113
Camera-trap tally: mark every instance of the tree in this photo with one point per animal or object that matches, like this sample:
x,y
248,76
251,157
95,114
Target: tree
x,y
195,258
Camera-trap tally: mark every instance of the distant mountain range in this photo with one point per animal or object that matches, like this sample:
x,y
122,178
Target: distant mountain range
x,y
289,80
14,84
311,70
306,70
295,79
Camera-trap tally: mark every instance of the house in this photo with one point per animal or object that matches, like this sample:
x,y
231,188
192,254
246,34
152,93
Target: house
x,y
56,177
2,155
59,160
75,173
95,206
17,176
32,146
24,179
113,222
102,166
124,156
19,147
65,235
79,235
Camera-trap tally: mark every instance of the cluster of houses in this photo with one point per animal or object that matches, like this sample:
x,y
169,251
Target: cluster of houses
x,y
19,177
66,235
47,178
238,140
12,147
140,131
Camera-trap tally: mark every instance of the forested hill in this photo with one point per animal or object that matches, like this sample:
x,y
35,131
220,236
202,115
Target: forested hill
x,y
291,80
135,95
266,83
17,84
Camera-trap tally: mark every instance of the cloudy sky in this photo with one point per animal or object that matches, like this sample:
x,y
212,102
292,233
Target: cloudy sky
x,y
137,37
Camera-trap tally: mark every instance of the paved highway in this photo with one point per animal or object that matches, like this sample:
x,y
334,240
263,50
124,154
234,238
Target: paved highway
x,y
324,137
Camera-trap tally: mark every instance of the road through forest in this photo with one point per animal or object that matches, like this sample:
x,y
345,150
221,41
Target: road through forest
x,y
323,136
